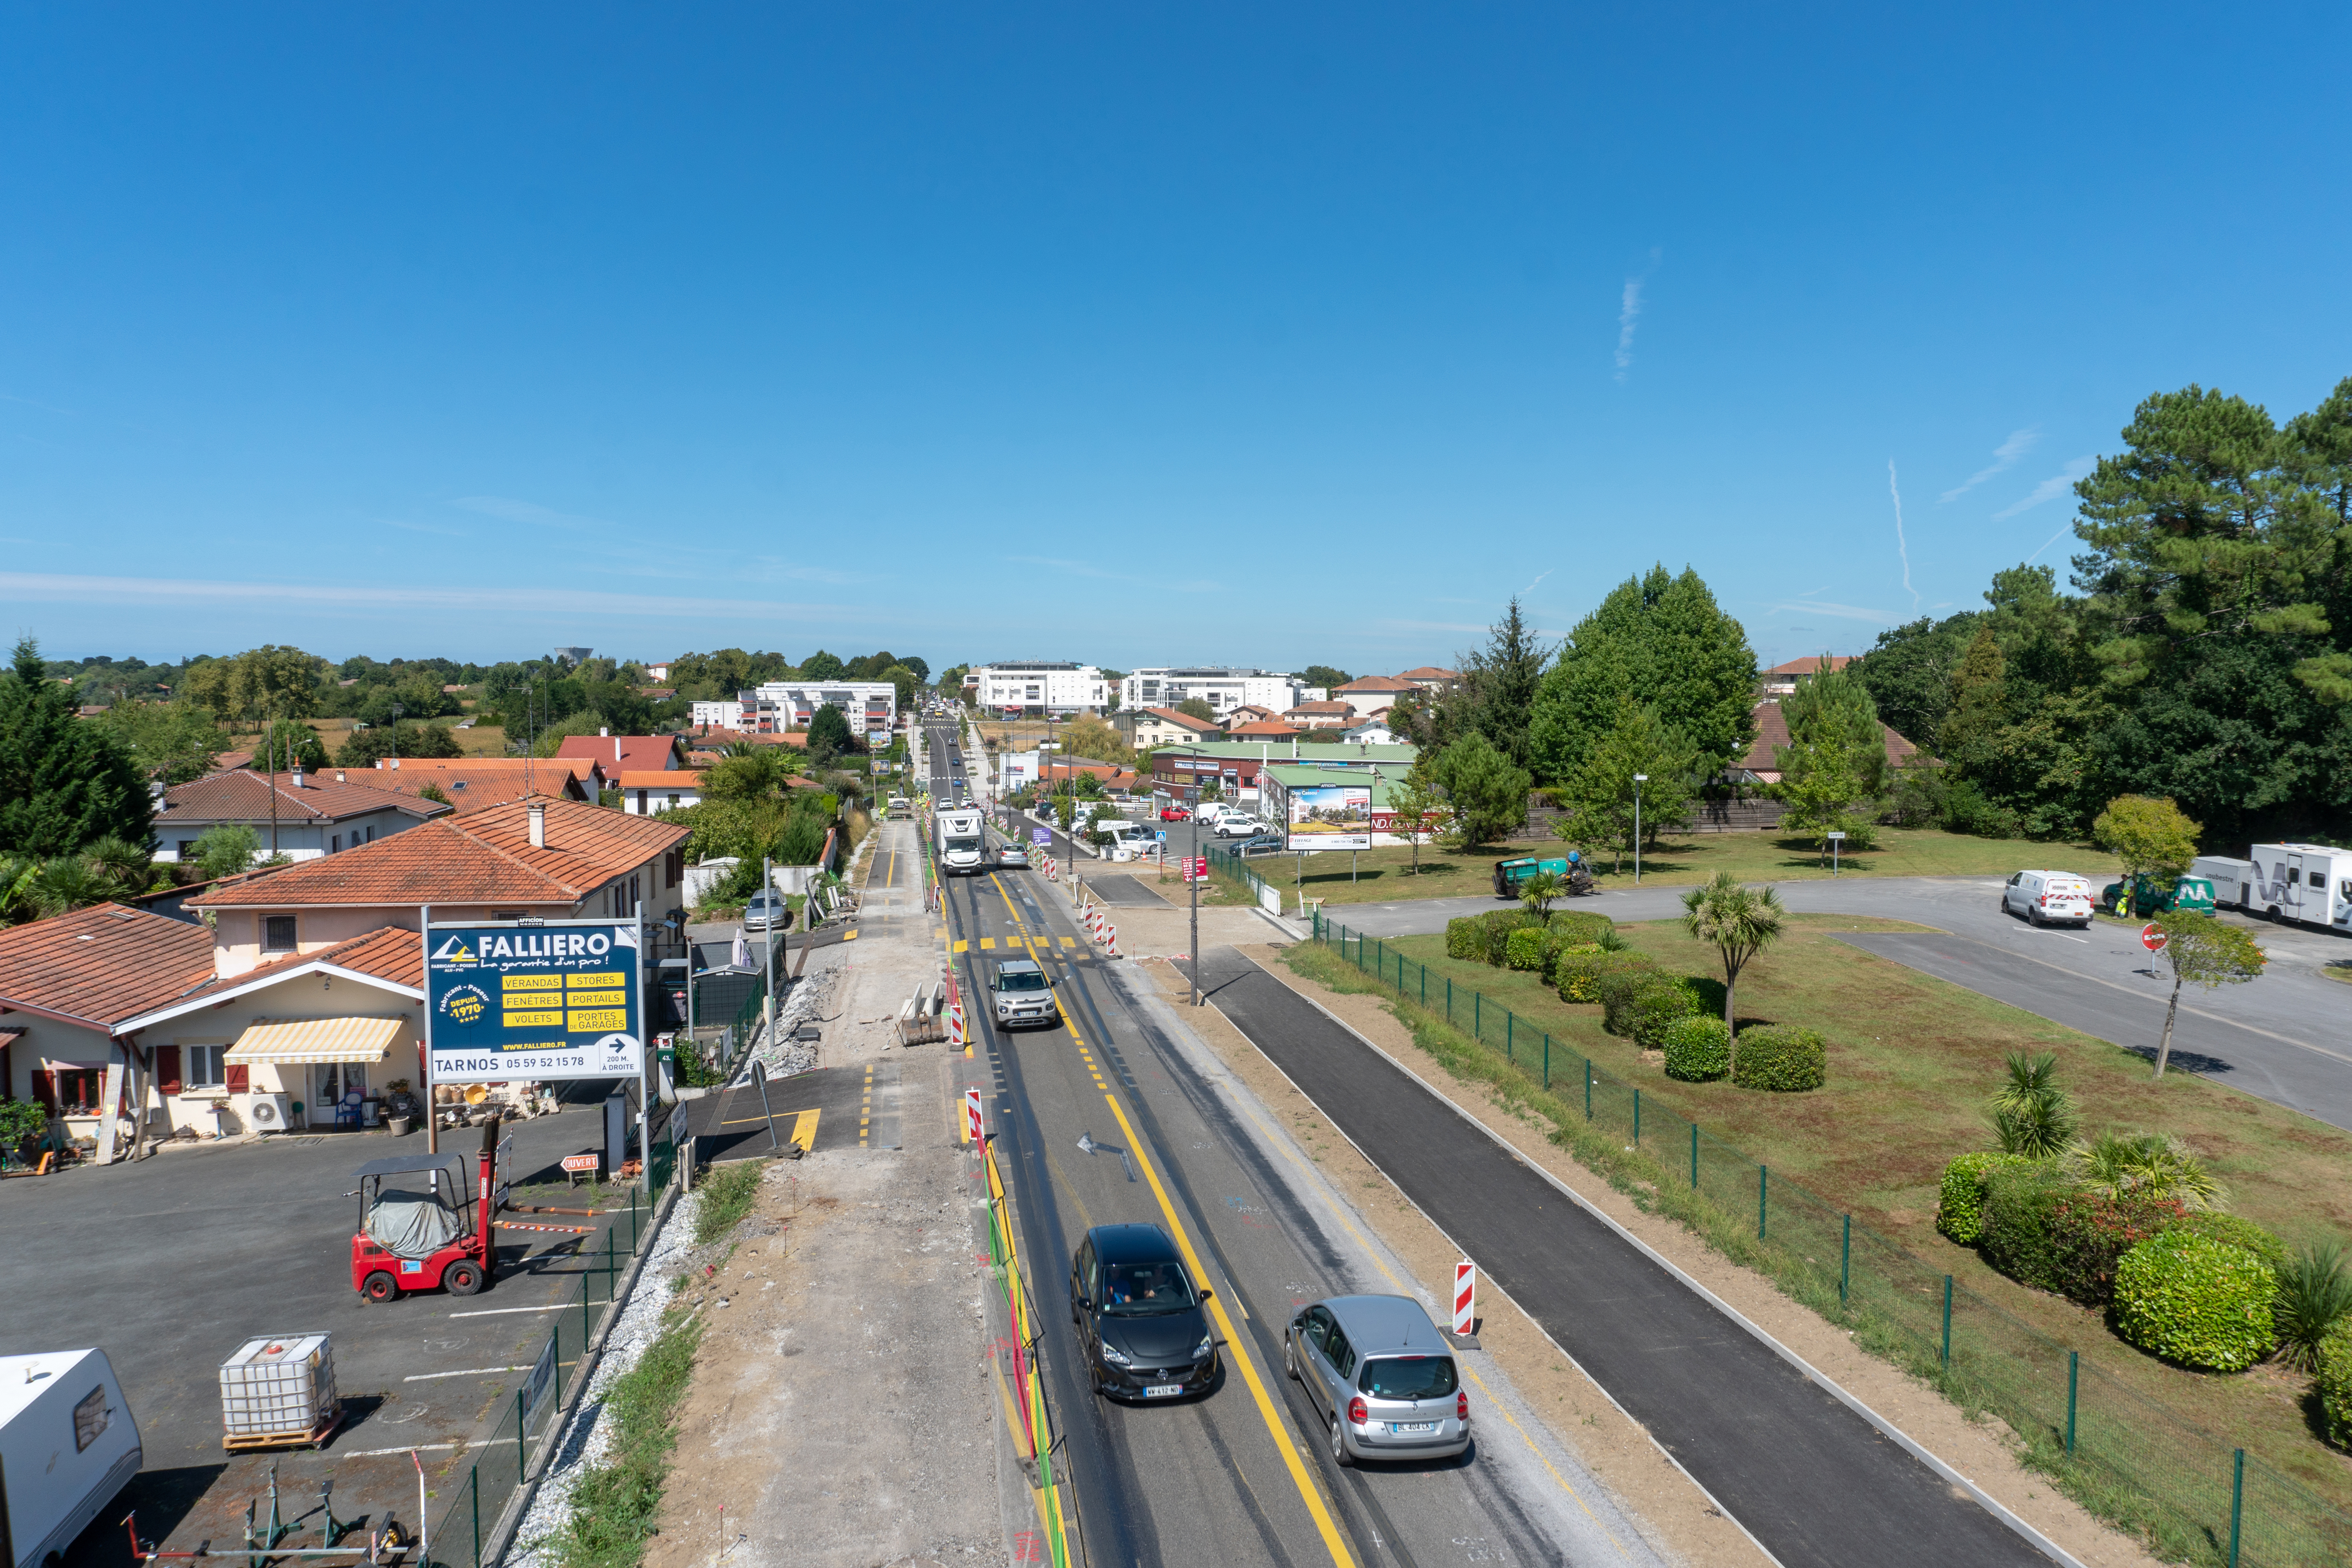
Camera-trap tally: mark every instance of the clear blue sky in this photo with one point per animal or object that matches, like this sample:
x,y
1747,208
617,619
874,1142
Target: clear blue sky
x,y
1137,334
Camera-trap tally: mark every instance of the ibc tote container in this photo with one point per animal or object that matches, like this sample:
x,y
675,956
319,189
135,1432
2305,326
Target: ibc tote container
x,y
278,1388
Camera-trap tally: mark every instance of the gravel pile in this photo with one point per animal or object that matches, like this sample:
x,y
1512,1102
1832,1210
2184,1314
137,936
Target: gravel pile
x,y
585,1439
804,1003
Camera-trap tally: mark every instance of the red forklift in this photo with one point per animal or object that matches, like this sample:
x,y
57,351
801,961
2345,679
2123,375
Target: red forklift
x,y
428,1236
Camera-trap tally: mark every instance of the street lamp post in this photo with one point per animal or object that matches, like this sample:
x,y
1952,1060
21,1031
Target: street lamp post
x,y
1639,780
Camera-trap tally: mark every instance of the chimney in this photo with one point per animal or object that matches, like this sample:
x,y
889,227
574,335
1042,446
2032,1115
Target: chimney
x,y
297,777
604,731
538,825
617,748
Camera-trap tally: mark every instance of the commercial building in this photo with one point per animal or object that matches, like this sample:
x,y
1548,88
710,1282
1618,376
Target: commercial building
x,y
1222,687
1039,686
1234,766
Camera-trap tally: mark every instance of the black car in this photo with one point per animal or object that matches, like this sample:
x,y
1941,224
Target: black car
x,y
1142,1323
1261,843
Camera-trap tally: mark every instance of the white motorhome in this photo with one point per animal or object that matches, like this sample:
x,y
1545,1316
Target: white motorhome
x,y
2307,883
961,845
69,1445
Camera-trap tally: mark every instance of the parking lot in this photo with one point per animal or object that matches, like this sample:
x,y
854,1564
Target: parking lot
x,y
169,1264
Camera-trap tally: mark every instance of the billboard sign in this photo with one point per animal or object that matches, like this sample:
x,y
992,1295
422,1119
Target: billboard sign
x,y
550,999
1328,816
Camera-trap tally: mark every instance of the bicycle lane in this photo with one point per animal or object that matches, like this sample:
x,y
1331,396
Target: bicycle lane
x,y
1807,1476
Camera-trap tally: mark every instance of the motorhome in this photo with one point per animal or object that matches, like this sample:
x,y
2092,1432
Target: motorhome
x,y
2307,883
69,1447
961,850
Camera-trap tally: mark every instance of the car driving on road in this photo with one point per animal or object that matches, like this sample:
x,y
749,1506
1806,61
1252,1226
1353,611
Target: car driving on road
x,y
1381,1377
1022,994
1013,857
1142,1325
2043,897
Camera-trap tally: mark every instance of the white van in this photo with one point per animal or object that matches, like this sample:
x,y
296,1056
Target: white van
x,y
2308,883
2232,879
2045,897
69,1446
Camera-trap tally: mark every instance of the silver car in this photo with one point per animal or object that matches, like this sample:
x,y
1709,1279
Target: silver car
x,y
1381,1376
1022,994
1013,857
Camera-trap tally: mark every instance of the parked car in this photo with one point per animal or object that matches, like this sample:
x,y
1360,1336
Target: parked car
x,y
1013,857
1262,844
1142,1324
765,907
1238,824
2043,897
1023,994
1381,1376
1175,814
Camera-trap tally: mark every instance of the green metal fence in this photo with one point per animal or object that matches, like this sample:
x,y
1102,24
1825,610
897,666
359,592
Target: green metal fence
x,y
475,1489
2191,1496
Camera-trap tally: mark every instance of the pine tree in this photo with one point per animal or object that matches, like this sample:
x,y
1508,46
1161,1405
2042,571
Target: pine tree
x,y
64,784
1499,683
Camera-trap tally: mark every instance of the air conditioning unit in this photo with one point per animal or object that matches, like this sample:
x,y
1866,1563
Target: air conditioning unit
x,y
267,1113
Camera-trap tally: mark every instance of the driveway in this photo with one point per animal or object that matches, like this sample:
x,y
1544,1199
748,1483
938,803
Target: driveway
x,y
2283,1037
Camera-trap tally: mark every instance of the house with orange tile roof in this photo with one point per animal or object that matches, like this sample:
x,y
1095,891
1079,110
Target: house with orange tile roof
x,y
1762,762
655,790
1144,728
1781,678
1430,677
615,754
299,815
1270,730
1371,693
476,783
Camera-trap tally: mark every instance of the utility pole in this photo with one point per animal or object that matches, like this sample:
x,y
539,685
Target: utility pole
x,y
1639,780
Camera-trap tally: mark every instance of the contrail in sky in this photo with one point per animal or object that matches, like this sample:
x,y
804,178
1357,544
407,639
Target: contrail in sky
x,y
1901,548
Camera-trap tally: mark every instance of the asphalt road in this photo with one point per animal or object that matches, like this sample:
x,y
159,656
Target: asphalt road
x,y
1812,1480
170,1264
2283,1037
1240,1475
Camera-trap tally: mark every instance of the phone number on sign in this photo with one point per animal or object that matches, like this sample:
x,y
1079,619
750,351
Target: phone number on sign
x,y
448,1066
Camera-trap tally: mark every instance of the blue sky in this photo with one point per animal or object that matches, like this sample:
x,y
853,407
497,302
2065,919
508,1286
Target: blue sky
x,y
1140,334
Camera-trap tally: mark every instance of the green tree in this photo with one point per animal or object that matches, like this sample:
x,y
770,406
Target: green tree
x,y
1835,706
1488,794
904,680
2210,951
1662,641
269,680
171,743
1196,708
829,730
1600,795
286,743
363,747
64,784
2032,1115
1325,676
1909,672
822,666
2151,837
1413,803
1497,690
1539,890
1738,923
1822,792
225,850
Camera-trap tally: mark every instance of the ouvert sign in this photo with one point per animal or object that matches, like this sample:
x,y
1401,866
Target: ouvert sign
x,y
538,1000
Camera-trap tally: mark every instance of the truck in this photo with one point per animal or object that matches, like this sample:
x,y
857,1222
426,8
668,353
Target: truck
x,y
2310,884
68,1446
961,845
1509,874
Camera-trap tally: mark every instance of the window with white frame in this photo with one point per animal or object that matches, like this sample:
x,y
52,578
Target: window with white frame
x,y
200,1067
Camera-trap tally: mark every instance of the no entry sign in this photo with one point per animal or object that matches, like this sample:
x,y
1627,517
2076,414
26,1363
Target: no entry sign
x,y
2152,937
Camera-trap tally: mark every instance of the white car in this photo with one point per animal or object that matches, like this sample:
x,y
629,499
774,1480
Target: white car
x,y
1215,812
1239,825
2044,896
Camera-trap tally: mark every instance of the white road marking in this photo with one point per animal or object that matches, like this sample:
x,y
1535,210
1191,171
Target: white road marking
x,y
501,1311
467,1371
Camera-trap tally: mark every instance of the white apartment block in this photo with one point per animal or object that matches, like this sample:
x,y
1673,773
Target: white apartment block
x,y
1221,688
870,705
1049,685
727,715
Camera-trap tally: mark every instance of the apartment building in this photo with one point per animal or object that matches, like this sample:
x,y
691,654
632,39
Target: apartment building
x,y
1222,688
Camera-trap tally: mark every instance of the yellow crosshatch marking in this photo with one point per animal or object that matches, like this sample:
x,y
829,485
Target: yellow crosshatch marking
x,y
603,981
533,1020
533,982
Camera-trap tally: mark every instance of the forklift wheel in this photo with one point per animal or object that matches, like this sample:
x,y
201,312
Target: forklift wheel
x,y
379,1287
461,1279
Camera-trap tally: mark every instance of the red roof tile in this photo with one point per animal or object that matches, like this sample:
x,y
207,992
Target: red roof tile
x,y
1253,732
1182,721
100,965
244,795
614,752
1772,733
1810,664
472,789
390,954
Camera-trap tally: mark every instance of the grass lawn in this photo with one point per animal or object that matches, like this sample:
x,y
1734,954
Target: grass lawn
x,y
1912,1061
1384,876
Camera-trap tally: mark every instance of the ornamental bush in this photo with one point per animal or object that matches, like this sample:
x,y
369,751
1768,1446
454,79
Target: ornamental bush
x,y
1577,926
1781,1058
1960,1199
1524,948
2017,1236
1466,938
2089,1233
1499,925
2195,1301
1698,1048
1653,1007
1579,971
1614,987
2235,1232
2333,1382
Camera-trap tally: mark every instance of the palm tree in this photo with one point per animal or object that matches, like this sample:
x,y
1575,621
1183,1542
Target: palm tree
x,y
2150,1165
69,882
122,862
2313,1294
2032,1116
1539,890
1739,922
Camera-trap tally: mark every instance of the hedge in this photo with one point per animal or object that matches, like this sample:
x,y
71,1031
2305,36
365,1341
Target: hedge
x,y
1579,971
1698,1048
1500,924
2196,1300
2090,1233
1960,1199
1466,938
1577,926
2333,1382
1781,1058
2018,1234
2235,1232
1525,948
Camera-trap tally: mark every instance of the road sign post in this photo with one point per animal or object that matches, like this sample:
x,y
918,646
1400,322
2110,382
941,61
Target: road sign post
x,y
1837,841
2152,937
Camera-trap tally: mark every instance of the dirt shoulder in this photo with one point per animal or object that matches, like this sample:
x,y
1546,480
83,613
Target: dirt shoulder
x,y
1981,1450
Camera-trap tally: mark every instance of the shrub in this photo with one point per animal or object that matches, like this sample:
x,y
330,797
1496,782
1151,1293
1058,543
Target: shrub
x,y
2197,1301
1577,926
2019,1205
1781,1058
1499,924
1698,1048
2314,1300
2333,1382
1579,971
2235,1232
1655,1005
2089,1233
1960,1200
1466,938
1524,948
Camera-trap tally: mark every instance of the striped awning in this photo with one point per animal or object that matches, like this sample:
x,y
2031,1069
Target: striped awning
x,y
316,1040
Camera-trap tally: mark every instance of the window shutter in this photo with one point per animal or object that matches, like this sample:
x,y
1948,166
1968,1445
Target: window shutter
x,y
237,1079
45,1089
167,1069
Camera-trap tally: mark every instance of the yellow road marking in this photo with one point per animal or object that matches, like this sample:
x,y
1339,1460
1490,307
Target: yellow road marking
x,y
987,942
1275,1427
962,945
849,935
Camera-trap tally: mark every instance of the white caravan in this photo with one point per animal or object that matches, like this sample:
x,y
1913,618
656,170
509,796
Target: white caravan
x,y
69,1446
963,849
2307,883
